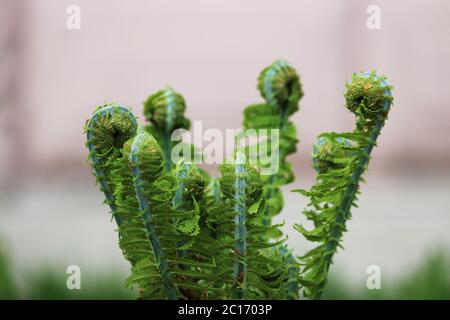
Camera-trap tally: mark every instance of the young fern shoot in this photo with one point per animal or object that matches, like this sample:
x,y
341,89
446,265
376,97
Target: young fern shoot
x,y
106,132
164,110
279,84
142,154
341,160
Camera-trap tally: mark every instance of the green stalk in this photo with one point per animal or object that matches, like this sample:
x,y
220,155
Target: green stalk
x,y
215,194
177,201
169,94
240,234
293,270
215,190
167,150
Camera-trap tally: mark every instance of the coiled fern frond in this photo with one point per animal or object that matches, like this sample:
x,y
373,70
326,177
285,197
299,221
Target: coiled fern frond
x,y
106,132
341,160
164,110
279,85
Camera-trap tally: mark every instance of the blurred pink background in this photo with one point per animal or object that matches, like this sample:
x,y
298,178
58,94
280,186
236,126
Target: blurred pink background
x,y
212,51
52,78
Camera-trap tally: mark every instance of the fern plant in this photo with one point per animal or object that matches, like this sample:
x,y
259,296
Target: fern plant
x,y
188,235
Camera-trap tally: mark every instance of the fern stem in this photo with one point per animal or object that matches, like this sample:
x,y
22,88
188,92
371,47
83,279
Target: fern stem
x,y
144,204
215,190
271,182
215,193
293,271
240,246
177,201
167,150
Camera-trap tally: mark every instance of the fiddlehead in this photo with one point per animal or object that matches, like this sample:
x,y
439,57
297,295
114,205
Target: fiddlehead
x,y
133,239
145,155
279,85
341,160
106,132
165,112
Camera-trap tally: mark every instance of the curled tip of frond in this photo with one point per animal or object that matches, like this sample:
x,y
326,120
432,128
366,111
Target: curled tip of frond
x,y
191,178
146,154
327,152
109,127
368,95
279,84
165,110
253,182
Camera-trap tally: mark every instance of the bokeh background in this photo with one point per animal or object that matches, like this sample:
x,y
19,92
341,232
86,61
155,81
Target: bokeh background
x,y
52,78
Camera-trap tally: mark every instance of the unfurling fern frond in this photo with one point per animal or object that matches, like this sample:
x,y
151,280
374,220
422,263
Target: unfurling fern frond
x,y
341,160
106,132
164,110
134,236
279,85
145,162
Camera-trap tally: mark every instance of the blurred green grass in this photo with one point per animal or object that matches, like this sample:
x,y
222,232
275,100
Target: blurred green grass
x,y
428,280
8,288
49,283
